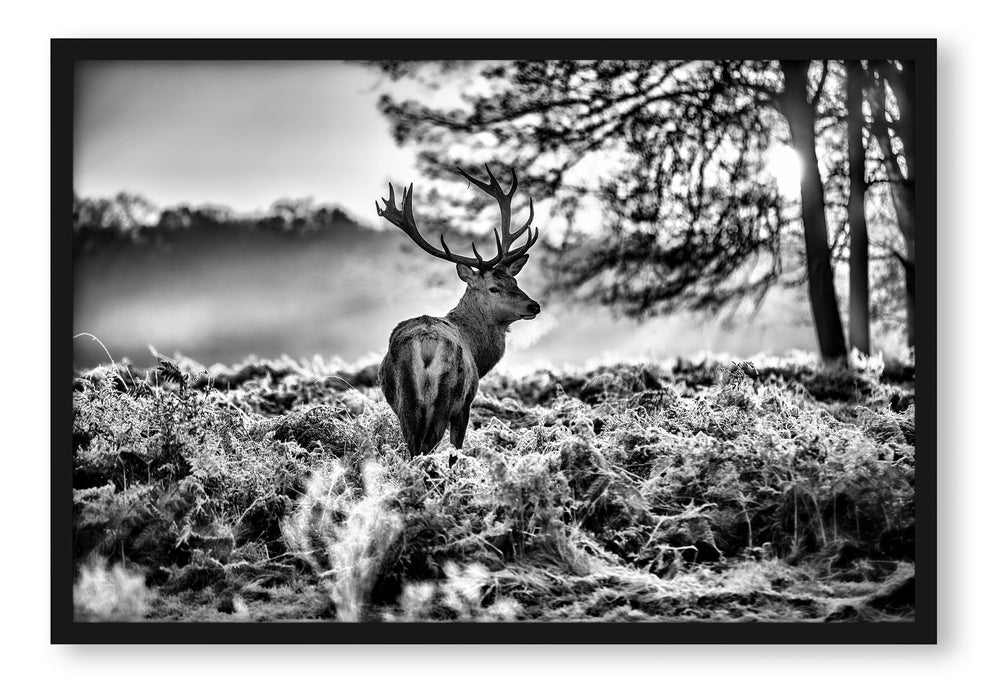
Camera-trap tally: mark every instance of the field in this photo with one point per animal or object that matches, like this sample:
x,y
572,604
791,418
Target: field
x,y
716,490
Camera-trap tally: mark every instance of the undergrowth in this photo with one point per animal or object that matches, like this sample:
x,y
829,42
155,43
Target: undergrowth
x,y
714,490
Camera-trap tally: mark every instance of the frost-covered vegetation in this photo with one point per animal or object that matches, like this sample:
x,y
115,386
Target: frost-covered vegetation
x,y
713,490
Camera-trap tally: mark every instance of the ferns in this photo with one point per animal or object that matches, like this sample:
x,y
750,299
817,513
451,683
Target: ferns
x,y
279,490
103,594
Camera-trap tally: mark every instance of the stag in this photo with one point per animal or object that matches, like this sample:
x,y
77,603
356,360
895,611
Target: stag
x,y
430,373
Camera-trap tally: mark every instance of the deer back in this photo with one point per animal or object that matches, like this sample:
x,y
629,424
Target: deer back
x,y
428,375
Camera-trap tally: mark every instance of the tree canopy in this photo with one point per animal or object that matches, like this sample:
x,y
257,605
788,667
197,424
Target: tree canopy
x,y
684,214
674,157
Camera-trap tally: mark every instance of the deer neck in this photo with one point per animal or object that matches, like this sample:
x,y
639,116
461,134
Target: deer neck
x,y
485,338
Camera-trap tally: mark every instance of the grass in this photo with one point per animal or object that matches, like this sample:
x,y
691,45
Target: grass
x,y
773,489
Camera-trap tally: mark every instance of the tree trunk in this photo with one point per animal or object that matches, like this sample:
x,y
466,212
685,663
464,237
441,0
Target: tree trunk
x,y
800,115
859,242
901,183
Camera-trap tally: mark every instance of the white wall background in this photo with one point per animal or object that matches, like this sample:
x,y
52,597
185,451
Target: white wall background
x,y
35,669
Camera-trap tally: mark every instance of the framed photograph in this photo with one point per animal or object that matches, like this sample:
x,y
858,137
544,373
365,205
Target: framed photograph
x,y
493,341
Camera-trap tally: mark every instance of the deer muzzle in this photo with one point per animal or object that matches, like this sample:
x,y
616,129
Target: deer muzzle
x,y
532,309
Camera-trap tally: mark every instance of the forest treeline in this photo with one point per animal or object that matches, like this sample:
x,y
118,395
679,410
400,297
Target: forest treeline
x,y
101,223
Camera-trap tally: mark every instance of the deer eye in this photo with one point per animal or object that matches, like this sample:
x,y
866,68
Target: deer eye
x,y
494,289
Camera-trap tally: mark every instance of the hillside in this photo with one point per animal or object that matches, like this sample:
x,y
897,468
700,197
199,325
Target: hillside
x,y
712,490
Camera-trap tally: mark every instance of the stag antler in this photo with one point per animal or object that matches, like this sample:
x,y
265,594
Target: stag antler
x,y
405,221
504,199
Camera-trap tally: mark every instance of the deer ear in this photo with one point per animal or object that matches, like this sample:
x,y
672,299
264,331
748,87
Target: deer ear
x,y
465,272
513,268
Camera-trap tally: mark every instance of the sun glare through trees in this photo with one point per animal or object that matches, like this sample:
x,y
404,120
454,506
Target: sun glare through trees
x,y
784,165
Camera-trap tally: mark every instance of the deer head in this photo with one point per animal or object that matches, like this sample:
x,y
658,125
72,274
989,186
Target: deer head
x,y
492,292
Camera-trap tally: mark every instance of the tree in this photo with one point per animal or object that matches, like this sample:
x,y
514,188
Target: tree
x,y
101,221
892,104
691,219
859,242
800,114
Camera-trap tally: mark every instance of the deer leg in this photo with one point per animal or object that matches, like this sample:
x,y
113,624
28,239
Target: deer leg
x,y
412,433
434,434
458,429
411,442
458,426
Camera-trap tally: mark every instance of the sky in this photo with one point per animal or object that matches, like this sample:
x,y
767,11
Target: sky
x,y
236,133
243,134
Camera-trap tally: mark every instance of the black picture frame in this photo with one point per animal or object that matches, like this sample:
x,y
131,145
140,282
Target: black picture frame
x,y
64,55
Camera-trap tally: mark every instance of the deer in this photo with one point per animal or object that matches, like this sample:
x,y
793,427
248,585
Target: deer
x,y
430,373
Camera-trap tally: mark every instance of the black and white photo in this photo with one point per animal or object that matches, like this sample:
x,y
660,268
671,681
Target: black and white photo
x,y
499,336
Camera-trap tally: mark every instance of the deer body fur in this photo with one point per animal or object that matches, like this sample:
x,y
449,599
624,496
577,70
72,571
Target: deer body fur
x,y
430,374
429,378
